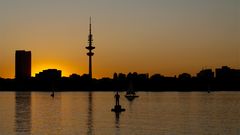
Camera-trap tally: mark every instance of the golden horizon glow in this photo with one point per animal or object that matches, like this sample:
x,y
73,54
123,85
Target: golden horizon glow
x,y
40,68
160,36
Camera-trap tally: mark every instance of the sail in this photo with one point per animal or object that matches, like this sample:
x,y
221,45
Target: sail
x,y
130,90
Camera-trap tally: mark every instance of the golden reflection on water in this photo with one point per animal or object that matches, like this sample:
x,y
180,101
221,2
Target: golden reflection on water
x,y
89,113
23,121
7,113
46,113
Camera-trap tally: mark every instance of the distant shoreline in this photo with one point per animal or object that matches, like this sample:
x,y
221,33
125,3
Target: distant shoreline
x,y
119,91
224,79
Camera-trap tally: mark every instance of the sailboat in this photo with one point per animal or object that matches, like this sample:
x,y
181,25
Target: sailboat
x,y
52,95
209,89
131,94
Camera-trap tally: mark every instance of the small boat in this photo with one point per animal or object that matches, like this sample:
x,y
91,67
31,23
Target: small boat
x,y
131,94
52,95
209,89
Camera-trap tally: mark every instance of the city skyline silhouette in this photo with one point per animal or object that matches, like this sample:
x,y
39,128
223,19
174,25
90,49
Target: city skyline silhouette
x,y
23,69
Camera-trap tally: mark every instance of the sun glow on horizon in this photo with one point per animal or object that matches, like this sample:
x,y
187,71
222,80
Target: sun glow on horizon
x,y
41,67
166,37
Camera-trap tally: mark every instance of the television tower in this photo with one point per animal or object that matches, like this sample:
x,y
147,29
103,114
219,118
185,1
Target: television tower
x,y
90,47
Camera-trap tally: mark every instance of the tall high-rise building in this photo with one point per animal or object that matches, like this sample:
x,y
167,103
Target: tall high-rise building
x,y
22,64
90,47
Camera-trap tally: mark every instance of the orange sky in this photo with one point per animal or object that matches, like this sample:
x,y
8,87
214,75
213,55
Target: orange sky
x,y
158,36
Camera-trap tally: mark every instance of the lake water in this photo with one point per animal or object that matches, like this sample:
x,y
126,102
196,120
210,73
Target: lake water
x,y
153,113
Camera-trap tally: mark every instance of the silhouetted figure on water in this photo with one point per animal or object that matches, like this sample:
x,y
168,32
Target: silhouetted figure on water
x,y
117,108
117,96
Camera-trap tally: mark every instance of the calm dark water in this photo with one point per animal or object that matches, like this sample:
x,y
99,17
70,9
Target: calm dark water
x,y
153,113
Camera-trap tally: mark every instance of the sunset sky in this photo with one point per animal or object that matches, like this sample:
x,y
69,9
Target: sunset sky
x,y
146,36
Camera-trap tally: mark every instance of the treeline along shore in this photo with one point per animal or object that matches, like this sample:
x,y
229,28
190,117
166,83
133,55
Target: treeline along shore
x,y
224,79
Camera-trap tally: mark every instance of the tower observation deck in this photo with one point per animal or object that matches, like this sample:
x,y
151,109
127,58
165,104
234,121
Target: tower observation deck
x,y
90,48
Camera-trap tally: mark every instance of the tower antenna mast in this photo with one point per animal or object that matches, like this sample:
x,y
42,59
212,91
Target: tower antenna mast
x,y
90,47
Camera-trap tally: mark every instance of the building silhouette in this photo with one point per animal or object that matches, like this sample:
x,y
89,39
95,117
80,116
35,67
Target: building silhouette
x,y
22,64
49,74
227,73
206,74
90,47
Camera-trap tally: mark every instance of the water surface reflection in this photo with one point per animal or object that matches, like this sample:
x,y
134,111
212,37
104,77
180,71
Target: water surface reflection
x,y
90,113
23,123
